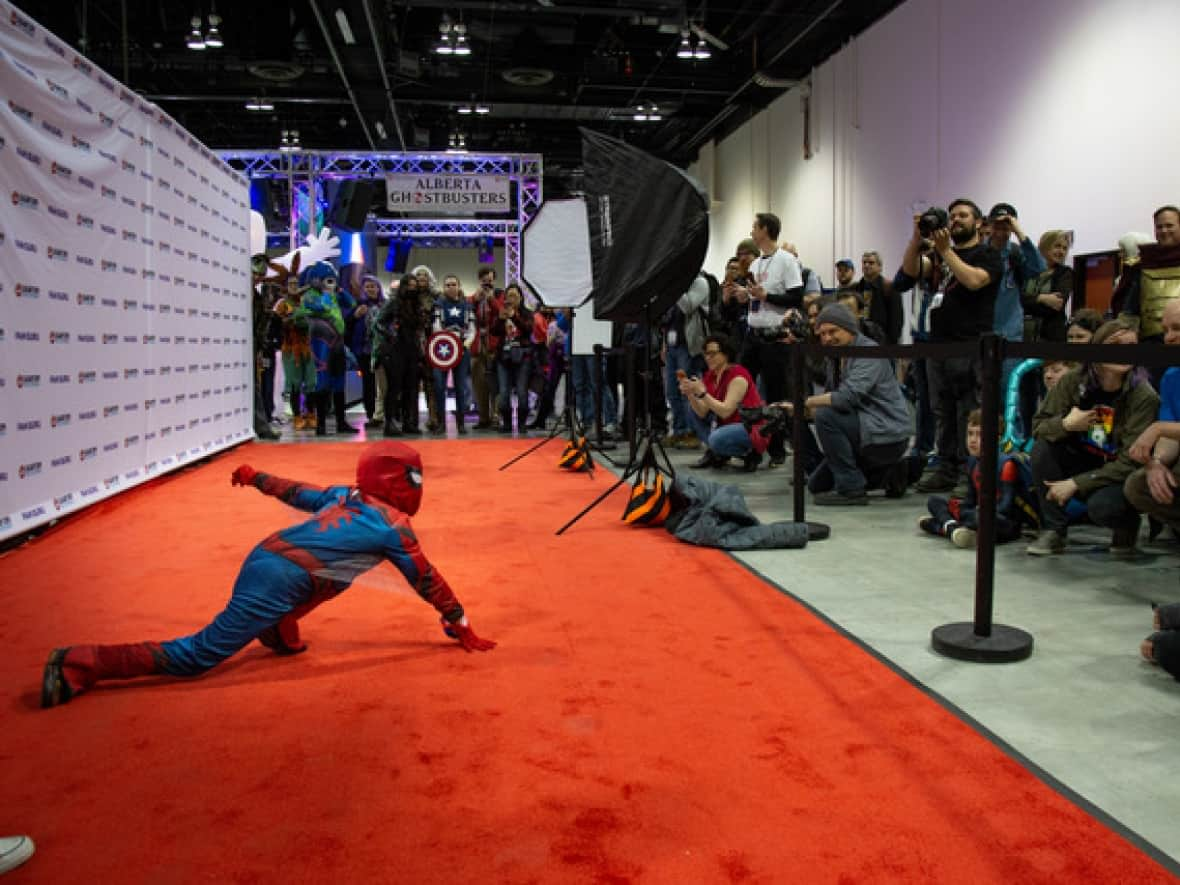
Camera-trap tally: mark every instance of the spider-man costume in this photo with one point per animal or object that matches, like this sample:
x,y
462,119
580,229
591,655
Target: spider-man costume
x,y
288,574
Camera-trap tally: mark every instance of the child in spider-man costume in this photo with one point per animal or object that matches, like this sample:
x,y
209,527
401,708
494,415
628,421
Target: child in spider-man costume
x,y
289,574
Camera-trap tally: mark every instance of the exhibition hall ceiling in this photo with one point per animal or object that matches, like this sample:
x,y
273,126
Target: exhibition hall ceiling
x,y
366,74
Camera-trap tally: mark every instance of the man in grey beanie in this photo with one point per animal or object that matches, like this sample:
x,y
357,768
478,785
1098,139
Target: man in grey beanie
x,y
862,421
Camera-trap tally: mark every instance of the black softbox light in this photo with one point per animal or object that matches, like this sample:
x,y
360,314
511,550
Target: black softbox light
x,y
649,229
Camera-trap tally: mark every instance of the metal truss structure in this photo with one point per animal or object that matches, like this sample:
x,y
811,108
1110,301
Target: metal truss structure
x,y
304,170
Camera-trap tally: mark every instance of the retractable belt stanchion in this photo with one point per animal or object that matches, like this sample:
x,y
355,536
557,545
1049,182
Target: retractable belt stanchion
x,y
981,640
798,426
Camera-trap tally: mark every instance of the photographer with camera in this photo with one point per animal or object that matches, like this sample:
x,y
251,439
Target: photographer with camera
x,y
968,273
777,287
862,421
718,398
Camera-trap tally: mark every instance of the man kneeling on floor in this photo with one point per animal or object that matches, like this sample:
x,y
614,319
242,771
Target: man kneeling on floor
x,y
288,574
862,421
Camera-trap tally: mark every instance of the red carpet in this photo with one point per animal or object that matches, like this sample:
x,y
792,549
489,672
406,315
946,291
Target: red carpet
x,y
654,713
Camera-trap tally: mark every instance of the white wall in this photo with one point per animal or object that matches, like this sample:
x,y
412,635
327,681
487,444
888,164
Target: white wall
x,y
1064,108
464,263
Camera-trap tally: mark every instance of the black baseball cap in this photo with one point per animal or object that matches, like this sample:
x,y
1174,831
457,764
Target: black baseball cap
x,y
846,262
1002,210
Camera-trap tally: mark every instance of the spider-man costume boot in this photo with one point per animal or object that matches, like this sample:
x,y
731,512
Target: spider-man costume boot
x,y
75,669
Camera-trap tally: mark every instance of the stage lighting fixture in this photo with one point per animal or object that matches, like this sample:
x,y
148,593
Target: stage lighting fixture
x,y
213,35
196,39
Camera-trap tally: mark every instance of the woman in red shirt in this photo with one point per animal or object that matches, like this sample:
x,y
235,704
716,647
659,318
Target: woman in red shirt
x,y
715,400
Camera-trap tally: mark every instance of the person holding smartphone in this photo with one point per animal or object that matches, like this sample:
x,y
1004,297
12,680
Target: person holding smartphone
x,y
716,399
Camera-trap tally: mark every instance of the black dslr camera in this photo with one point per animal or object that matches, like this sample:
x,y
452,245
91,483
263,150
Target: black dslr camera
x,y
796,324
931,220
776,419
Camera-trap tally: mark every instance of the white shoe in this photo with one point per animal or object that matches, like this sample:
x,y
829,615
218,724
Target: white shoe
x,y
14,851
963,538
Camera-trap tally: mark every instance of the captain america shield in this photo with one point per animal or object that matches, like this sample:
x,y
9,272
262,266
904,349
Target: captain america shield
x,y
444,350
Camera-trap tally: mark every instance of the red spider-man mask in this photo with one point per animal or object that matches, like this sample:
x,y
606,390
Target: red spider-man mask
x,y
391,471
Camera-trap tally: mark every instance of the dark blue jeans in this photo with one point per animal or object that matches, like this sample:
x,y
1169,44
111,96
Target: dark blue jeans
x,y
846,462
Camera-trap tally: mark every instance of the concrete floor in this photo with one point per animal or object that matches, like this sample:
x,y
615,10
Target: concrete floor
x,y
1084,712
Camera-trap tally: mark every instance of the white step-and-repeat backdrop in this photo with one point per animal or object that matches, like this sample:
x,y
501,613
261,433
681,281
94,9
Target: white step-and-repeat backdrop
x,y
124,286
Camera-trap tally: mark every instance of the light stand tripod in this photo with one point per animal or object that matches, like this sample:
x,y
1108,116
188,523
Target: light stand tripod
x,y
568,421
646,450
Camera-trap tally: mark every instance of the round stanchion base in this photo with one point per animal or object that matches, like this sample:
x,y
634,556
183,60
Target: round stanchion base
x,y
1005,645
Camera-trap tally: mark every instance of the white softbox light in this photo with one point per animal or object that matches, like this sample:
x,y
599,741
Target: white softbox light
x,y
555,254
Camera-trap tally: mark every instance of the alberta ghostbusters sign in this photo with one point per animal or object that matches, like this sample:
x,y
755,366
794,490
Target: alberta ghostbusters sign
x,y
435,194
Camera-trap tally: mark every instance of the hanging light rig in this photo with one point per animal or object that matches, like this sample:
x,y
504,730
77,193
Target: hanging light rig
x,y
209,39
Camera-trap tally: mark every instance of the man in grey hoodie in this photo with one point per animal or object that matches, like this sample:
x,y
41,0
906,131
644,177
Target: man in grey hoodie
x,y
862,421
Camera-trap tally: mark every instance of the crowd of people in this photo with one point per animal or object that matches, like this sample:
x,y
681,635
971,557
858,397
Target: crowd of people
x,y
1091,442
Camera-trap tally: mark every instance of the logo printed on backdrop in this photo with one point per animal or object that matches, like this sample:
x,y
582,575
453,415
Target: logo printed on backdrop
x,y
22,112
23,24
30,469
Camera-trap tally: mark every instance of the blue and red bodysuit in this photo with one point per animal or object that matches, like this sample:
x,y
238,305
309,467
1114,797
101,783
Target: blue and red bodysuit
x,y
289,574
297,568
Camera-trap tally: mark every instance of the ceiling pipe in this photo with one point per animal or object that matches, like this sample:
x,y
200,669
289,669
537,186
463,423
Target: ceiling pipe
x,y
397,123
243,98
315,8
705,131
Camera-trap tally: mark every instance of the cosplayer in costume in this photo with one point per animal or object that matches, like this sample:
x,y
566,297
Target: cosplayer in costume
x,y
298,367
326,309
288,575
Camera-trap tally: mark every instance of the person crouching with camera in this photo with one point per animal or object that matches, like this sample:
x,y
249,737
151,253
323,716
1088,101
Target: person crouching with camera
x,y
862,421
716,400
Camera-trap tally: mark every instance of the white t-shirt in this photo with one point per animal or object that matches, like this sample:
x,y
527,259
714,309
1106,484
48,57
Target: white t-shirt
x,y
776,273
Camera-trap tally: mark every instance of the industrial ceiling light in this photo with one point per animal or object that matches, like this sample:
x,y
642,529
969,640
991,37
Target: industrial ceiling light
x,y
213,35
259,104
685,50
345,28
647,113
702,52
465,109
460,34
482,109
289,141
444,47
196,40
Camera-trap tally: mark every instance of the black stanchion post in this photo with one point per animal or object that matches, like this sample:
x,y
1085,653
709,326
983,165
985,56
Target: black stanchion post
x,y
982,641
631,405
599,393
991,347
798,366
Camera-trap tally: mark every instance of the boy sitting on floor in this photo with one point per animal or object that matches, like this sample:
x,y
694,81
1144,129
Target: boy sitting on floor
x,y
958,518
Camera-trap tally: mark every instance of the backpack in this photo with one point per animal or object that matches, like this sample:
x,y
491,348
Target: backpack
x,y
710,312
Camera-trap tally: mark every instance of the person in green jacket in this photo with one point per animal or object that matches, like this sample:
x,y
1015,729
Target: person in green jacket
x,y
1082,436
